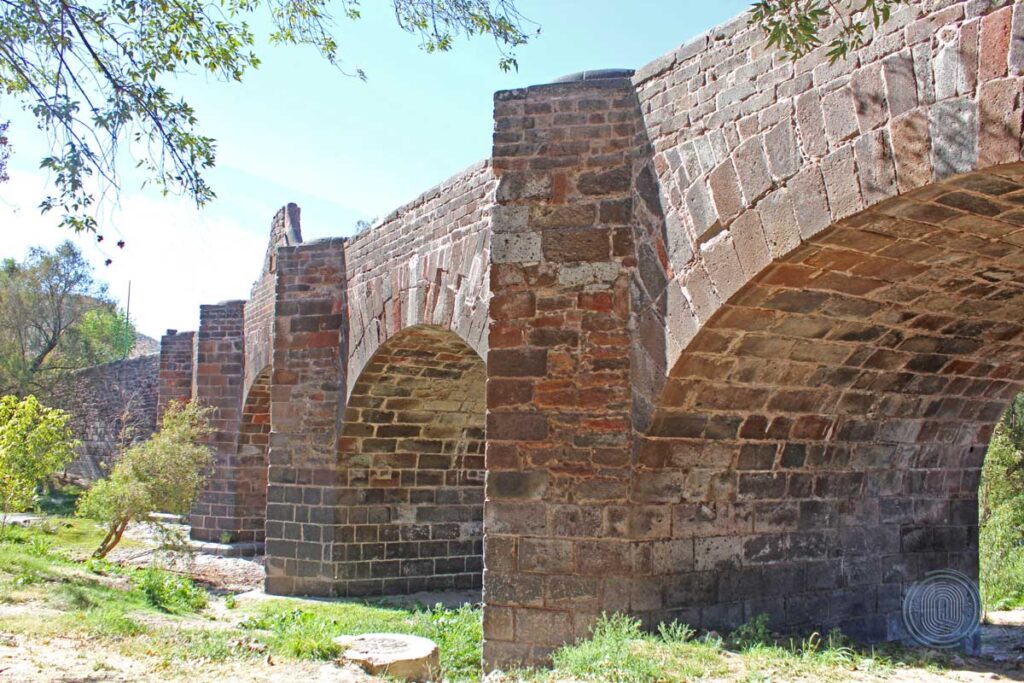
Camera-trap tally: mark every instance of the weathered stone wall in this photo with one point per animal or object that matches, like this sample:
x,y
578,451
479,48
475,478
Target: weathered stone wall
x,y
307,403
285,230
111,405
425,264
412,468
219,363
832,409
176,375
749,323
754,153
559,529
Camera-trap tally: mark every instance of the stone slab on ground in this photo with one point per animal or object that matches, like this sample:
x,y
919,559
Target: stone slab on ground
x,y
395,655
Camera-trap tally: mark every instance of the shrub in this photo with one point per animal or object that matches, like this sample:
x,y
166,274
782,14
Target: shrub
x,y
164,473
35,442
751,633
1001,536
169,592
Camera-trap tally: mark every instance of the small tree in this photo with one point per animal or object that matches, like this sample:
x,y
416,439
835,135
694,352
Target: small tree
x,y
164,473
35,443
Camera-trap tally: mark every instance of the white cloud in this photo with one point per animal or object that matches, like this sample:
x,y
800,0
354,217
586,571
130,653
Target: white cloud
x,y
175,256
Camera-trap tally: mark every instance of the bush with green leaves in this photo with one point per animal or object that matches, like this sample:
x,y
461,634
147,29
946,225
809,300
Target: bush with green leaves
x,y
1001,498
35,443
162,474
169,592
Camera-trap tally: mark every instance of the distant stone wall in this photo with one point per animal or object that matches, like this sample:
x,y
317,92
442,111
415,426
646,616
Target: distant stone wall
x,y
111,405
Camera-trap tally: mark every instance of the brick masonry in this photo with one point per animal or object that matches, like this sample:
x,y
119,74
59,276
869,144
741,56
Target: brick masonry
x,y
176,376
410,512
112,406
737,329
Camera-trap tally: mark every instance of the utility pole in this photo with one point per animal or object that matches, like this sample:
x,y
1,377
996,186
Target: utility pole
x,y
128,322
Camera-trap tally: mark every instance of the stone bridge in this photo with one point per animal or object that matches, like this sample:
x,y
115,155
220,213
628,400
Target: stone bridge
x,y
724,337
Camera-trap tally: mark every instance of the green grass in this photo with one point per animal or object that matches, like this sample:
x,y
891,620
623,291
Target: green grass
x,y
169,592
305,631
619,650
59,501
154,614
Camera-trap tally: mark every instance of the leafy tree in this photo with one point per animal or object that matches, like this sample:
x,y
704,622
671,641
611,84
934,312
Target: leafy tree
x,y
163,474
5,151
95,73
35,443
103,335
1001,499
55,318
796,26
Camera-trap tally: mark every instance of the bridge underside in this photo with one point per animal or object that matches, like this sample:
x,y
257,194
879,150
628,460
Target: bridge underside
x,y
821,439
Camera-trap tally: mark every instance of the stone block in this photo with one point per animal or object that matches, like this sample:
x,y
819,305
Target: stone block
x,y
725,189
1000,115
840,114
779,221
994,45
751,246
521,247
517,426
1016,53
811,121
783,150
810,202
752,169
900,83
954,131
592,245
912,153
869,95
701,207
875,166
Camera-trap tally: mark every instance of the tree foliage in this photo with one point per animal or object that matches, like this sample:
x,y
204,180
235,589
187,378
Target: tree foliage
x,y
1001,513
55,318
35,443
96,73
162,474
797,26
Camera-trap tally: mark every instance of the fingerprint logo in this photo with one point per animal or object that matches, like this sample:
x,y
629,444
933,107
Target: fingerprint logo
x,y
942,609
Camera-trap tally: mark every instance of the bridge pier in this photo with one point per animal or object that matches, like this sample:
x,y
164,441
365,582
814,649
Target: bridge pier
x,y
560,531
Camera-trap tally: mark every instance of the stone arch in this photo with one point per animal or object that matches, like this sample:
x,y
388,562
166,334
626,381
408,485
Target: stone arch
x,y
818,445
411,468
252,461
424,264
754,155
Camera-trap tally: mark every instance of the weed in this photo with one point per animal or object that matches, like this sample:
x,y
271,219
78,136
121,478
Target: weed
x,y
169,592
751,634
620,650
26,578
109,622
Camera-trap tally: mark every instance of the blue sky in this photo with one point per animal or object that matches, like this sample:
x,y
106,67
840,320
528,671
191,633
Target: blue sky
x,y
344,150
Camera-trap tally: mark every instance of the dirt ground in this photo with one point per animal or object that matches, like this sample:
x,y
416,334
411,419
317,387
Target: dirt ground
x,y
69,659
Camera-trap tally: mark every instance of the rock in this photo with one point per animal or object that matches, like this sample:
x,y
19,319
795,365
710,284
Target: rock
x,y
396,655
